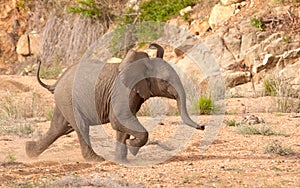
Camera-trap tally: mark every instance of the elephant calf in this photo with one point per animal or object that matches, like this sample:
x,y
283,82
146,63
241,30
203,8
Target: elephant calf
x,y
142,76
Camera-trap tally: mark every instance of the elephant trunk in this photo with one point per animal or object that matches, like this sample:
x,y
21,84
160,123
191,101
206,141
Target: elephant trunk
x,y
181,103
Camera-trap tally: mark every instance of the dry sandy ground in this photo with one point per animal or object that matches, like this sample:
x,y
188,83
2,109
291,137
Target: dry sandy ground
x,y
233,160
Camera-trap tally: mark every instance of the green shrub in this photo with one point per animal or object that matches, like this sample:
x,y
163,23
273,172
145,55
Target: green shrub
x,y
11,157
163,10
99,10
25,4
51,72
87,8
257,22
270,87
49,114
204,105
287,38
231,123
276,147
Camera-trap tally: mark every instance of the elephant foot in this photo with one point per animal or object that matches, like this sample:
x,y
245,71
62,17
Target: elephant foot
x,y
93,157
133,150
31,149
121,160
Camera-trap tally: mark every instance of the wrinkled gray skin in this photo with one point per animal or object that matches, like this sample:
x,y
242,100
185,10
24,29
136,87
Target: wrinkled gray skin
x,y
63,121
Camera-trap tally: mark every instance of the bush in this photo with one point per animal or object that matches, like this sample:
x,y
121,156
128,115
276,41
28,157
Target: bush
x,y
204,105
95,9
256,22
276,147
51,72
163,10
231,123
270,87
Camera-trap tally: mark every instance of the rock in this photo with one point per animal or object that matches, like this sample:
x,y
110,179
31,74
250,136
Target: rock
x,y
185,46
292,73
35,43
233,79
268,62
114,60
264,45
232,40
252,120
248,40
219,15
230,2
68,37
246,90
23,45
192,75
198,27
222,55
6,8
186,10
29,44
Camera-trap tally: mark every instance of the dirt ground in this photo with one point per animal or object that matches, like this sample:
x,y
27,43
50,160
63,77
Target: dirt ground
x,y
233,160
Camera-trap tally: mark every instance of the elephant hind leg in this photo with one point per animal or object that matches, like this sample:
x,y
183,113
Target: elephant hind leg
x,y
59,126
86,150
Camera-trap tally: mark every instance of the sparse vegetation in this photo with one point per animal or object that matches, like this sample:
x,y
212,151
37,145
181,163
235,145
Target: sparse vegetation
x,y
261,129
275,147
20,128
19,107
280,88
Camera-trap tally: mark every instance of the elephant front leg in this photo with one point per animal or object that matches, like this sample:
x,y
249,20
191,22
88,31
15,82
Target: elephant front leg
x,y
121,148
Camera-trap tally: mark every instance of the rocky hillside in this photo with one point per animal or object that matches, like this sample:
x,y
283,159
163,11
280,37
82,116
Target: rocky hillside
x,y
254,42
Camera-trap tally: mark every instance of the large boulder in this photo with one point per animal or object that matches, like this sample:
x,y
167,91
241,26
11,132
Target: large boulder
x,y
220,14
28,45
233,79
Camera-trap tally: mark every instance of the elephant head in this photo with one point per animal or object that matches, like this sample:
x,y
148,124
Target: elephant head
x,y
138,81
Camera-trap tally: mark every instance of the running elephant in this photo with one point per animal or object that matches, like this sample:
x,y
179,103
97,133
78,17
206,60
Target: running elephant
x,y
145,77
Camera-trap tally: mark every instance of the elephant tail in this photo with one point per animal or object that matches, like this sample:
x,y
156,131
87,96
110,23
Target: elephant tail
x,y
160,51
51,88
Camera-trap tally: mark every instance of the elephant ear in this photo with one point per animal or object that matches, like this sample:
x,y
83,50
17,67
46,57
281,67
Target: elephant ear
x,y
131,57
133,71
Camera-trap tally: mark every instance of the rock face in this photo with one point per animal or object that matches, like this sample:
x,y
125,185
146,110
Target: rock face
x,y
66,39
8,33
246,56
